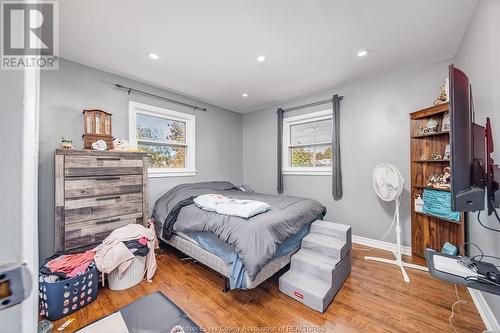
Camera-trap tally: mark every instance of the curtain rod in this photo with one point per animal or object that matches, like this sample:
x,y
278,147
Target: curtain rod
x,y
119,86
326,101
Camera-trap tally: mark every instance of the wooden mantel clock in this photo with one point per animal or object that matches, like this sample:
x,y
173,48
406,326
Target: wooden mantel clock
x,y
97,126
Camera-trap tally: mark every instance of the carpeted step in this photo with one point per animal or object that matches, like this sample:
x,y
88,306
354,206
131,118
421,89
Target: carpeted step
x,y
314,264
331,229
320,267
313,291
325,245
309,290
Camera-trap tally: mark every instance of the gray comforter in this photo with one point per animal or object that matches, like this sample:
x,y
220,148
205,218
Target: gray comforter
x,y
255,239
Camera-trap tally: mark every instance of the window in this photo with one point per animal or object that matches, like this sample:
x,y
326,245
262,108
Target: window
x,y
167,136
307,144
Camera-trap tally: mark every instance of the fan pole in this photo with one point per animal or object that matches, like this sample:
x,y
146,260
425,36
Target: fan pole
x,y
399,261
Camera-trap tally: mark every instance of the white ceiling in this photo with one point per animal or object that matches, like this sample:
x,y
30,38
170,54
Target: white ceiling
x,y
207,48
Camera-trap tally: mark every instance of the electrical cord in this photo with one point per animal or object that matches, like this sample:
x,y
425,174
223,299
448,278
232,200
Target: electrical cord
x,y
477,247
459,301
479,279
494,210
383,237
486,256
484,226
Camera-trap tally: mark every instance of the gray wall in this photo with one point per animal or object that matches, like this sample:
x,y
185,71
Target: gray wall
x,y
74,87
479,57
374,129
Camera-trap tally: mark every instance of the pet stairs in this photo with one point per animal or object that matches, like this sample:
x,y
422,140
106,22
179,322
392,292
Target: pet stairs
x,y
320,267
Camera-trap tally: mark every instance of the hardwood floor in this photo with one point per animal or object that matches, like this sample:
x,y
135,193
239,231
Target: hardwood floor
x,y
374,298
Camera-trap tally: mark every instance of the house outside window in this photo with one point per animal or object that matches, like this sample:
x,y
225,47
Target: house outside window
x,y
167,136
307,144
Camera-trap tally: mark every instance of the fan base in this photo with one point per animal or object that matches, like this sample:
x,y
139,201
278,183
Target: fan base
x,y
399,263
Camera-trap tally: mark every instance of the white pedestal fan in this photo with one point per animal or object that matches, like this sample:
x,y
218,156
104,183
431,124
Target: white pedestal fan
x,y
388,184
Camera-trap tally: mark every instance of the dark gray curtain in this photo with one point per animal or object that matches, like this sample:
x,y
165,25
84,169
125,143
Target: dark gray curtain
x,y
336,165
280,151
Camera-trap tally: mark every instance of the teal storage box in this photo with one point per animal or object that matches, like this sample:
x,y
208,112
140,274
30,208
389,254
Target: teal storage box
x,y
438,203
449,249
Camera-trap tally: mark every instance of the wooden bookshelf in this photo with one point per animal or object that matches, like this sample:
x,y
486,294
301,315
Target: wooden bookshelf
x,y
430,134
429,231
431,188
431,161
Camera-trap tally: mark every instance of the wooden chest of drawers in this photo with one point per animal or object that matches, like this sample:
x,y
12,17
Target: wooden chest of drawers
x,y
95,193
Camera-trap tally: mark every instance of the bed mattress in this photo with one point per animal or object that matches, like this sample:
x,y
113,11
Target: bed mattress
x,y
192,248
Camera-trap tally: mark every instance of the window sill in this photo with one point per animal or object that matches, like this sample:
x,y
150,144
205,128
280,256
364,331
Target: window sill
x,y
307,172
155,173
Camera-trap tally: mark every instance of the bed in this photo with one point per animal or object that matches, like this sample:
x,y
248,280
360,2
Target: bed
x,y
245,251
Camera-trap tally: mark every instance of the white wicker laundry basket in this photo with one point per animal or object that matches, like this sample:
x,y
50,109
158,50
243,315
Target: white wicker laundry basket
x,y
132,276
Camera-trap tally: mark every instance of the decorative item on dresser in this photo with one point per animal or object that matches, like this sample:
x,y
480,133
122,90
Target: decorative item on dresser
x,y
430,170
95,193
97,126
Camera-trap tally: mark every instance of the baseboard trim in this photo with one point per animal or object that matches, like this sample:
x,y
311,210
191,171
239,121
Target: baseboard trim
x,y
378,244
484,310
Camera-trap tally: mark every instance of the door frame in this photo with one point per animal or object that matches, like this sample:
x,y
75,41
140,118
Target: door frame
x,y
29,194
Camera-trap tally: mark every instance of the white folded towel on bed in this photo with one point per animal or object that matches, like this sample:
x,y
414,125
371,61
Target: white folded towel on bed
x,y
234,207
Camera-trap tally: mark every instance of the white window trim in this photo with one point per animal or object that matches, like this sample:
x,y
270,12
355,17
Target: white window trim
x,y
189,119
301,119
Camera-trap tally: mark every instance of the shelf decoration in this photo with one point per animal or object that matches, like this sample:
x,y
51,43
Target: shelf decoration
x,y
440,180
437,156
443,93
447,152
419,203
445,122
431,126
66,143
97,126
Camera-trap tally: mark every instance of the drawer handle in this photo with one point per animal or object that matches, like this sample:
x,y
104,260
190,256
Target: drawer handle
x,y
109,198
108,221
108,158
108,178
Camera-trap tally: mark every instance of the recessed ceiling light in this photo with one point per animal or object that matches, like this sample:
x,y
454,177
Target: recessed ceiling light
x,y
362,53
245,95
154,56
261,58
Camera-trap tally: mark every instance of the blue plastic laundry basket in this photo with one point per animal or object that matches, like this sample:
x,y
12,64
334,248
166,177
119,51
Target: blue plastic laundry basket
x,y
59,299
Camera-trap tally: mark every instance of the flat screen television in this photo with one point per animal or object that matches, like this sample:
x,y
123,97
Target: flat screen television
x,y
466,193
470,176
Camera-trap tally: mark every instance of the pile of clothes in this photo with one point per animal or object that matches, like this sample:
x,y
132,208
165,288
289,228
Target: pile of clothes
x,y
118,250
61,267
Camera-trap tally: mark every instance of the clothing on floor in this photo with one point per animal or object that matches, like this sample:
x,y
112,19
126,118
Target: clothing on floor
x,y
113,253
151,225
49,278
143,241
139,247
116,255
44,270
71,265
